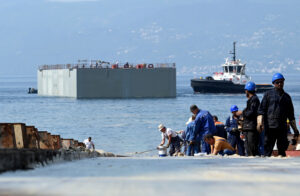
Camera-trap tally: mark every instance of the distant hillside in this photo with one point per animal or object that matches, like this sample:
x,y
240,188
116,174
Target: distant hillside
x,y
197,35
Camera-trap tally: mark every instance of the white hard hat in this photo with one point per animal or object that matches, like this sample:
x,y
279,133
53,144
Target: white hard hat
x,y
161,126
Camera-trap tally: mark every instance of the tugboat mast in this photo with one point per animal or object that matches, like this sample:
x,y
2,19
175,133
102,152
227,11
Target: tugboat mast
x,y
234,54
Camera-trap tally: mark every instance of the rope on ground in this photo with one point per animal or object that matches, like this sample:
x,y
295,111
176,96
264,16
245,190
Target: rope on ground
x,y
133,153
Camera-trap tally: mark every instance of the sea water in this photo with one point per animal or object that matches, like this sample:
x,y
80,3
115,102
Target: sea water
x,y
120,126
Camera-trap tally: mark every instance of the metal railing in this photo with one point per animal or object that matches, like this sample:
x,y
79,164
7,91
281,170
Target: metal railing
x,y
97,64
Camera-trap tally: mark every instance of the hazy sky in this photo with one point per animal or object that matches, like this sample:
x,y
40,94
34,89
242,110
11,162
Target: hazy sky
x,y
196,34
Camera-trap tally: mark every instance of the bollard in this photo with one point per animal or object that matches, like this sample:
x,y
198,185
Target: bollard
x,y
6,135
32,137
44,140
56,142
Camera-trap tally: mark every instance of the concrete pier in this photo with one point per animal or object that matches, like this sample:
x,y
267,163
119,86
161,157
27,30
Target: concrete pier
x,y
226,176
14,159
24,147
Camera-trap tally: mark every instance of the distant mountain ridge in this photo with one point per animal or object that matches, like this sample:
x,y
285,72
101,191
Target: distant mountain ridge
x,y
197,35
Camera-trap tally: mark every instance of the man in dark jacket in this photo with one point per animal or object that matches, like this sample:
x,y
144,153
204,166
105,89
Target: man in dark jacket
x,y
250,120
220,127
276,107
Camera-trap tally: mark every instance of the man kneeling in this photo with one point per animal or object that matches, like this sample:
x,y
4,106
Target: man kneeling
x,y
219,145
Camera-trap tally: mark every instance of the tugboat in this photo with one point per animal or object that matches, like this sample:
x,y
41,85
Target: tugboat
x,y
231,80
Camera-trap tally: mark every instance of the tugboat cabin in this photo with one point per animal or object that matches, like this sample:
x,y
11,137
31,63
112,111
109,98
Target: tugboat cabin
x,y
231,68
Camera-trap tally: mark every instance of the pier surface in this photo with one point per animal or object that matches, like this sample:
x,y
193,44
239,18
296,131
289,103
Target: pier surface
x,y
159,176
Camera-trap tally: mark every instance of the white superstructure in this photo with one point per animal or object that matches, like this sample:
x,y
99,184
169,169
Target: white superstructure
x,y
233,70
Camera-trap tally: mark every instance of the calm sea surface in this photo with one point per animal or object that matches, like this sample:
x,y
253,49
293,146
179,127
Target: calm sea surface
x,y
118,125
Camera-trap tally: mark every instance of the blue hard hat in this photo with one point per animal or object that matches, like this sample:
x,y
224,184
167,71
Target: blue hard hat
x,y
277,76
234,108
250,86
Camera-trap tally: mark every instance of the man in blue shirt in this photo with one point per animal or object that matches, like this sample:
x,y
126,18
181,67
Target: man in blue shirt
x,y
233,132
204,124
193,145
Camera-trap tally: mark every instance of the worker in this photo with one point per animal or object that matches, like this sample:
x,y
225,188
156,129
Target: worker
x,y
89,144
275,108
193,147
182,136
250,120
233,131
220,128
219,145
173,139
204,124
183,142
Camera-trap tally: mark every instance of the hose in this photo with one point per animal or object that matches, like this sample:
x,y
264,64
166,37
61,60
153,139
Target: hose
x,y
142,151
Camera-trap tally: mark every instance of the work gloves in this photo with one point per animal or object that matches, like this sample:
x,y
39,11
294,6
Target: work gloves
x,y
234,131
294,127
168,145
259,126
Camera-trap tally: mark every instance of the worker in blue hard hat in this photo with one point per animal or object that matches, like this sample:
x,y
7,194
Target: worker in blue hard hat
x,y
250,120
233,131
275,108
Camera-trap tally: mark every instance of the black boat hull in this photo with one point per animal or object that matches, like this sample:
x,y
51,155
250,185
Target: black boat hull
x,y
223,86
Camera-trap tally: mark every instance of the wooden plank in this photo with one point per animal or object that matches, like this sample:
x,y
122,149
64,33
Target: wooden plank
x,y
6,136
44,140
19,135
32,137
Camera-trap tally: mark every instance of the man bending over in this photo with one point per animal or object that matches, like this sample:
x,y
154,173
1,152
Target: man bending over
x,y
218,145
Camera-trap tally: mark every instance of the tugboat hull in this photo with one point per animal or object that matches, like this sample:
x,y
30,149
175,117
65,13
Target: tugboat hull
x,y
223,86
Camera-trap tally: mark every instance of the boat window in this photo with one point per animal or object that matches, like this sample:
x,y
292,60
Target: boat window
x,y
225,69
243,70
239,68
230,69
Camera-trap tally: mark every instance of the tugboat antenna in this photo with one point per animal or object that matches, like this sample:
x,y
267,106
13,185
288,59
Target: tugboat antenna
x,y
234,54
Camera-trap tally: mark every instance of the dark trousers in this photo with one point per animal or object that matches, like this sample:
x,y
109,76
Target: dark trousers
x,y
261,143
193,149
273,135
174,145
227,152
205,147
235,140
251,142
